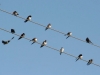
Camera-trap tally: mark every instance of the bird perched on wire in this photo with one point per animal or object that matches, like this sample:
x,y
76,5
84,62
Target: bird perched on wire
x,y
79,57
6,42
34,40
68,34
28,18
90,61
44,43
88,40
12,31
48,26
61,50
21,36
15,13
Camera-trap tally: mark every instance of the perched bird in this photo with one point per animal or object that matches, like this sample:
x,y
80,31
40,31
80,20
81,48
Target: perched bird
x,y
79,57
21,36
28,18
68,34
43,43
48,26
90,61
88,40
61,50
6,42
34,40
12,31
15,13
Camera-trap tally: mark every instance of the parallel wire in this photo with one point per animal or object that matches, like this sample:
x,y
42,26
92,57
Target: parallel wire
x,y
50,28
50,47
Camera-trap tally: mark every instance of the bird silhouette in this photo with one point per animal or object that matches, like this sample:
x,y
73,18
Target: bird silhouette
x,y
12,31
88,40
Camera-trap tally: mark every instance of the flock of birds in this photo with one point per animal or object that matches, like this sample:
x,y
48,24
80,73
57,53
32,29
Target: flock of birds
x,y
44,43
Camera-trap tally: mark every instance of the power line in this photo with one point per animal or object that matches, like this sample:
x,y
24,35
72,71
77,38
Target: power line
x,y
50,47
50,28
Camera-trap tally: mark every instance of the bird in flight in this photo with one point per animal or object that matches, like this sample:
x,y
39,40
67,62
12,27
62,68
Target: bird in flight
x,y
6,42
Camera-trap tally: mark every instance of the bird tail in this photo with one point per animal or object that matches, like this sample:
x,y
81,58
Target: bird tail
x,y
91,42
46,28
33,43
88,63
60,53
25,20
77,59
41,46
12,38
67,37
19,38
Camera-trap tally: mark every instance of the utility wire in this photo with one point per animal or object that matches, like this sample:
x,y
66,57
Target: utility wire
x,y
50,47
50,28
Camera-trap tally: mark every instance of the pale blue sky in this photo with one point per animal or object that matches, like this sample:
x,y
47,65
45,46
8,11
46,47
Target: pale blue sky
x,y
19,57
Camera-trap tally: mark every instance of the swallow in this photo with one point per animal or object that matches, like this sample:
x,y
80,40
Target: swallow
x,y
48,26
61,50
28,18
68,34
88,40
6,42
15,13
12,31
34,40
90,61
79,57
21,36
43,43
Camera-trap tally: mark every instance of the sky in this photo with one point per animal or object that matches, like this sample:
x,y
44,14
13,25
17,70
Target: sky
x,y
19,57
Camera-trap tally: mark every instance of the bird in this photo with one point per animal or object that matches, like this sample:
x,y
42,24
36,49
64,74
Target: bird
x,y
15,13
88,40
43,43
28,18
90,61
61,50
6,42
79,57
21,36
12,31
48,26
68,34
34,40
